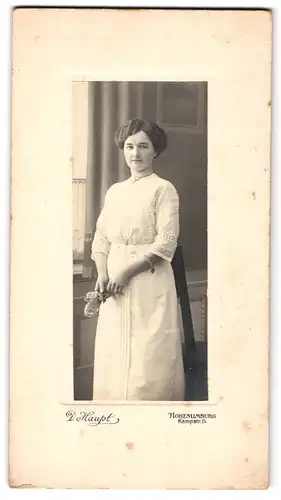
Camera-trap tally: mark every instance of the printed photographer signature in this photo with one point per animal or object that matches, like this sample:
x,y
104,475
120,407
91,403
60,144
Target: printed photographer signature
x,y
91,418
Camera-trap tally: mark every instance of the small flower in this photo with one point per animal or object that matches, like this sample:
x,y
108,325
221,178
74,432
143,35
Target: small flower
x,y
94,300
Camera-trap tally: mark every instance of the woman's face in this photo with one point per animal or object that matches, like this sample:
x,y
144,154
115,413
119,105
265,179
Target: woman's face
x,y
139,152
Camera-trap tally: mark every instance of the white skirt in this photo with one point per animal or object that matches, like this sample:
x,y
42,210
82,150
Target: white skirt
x,y
138,354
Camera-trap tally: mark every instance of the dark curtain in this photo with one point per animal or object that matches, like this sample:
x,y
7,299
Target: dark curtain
x,y
110,104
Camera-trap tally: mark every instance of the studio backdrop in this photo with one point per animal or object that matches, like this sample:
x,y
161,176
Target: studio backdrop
x,y
180,108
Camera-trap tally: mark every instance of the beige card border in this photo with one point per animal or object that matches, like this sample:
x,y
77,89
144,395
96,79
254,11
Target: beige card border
x,y
50,49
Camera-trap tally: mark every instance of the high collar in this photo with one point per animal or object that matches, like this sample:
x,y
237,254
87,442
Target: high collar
x,y
137,177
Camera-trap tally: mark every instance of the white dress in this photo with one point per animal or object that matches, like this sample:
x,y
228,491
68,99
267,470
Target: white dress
x,y
138,347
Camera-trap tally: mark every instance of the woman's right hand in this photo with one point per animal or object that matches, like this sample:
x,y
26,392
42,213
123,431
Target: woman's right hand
x,y
101,284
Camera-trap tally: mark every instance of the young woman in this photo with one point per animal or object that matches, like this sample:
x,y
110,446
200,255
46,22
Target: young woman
x,y
138,349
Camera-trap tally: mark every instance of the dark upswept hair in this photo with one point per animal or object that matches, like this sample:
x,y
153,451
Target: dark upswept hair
x,y
156,134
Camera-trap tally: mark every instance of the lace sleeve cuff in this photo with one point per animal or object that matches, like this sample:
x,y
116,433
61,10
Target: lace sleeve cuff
x,y
164,247
100,245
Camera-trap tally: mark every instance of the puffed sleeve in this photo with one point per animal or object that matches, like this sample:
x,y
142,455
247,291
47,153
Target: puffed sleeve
x,y
167,223
100,242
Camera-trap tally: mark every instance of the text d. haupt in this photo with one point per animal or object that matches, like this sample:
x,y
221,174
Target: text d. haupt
x,y
91,418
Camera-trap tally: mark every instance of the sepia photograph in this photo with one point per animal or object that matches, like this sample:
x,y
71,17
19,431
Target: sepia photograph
x,y
139,241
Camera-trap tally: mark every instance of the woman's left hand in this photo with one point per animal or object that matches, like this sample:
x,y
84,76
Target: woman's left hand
x,y
118,281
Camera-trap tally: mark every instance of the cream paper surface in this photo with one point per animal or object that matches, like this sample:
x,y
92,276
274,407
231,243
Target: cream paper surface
x,y
146,449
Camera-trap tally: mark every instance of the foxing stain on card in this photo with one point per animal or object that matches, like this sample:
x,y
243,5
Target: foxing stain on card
x,y
130,446
246,426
